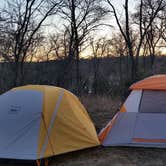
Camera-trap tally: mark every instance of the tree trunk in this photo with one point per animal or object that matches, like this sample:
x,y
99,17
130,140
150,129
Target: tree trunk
x,y
16,74
75,46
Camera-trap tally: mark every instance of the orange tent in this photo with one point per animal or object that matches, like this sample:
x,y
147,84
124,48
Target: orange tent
x,y
156,82
141,120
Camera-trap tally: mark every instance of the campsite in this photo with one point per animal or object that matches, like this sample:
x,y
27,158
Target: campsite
x,y
117,156
82,82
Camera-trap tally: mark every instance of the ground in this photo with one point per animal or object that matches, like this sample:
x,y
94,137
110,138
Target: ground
x,y
118,156
101,113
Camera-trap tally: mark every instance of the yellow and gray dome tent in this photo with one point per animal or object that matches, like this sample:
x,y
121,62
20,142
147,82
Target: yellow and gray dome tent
x,y
38,121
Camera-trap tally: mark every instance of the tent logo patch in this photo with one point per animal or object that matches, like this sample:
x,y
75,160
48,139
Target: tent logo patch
x,y
14,109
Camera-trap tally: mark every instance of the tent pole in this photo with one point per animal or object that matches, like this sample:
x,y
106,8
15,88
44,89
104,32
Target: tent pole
x,y
38,162
46,162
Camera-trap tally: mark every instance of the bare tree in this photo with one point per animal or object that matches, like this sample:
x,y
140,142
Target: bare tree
x,y
59,45
99,50
144,26
150,24
119,50
82,17
153,38
57,48
22,28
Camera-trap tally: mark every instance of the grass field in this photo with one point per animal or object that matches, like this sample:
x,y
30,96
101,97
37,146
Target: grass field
x,y
101,110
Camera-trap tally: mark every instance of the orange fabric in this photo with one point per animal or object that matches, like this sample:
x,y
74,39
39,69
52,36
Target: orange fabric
x,y
104,133
38,162
123,109
156,82
46,162
149,140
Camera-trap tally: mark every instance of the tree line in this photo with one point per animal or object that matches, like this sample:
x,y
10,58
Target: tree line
x,y
77,25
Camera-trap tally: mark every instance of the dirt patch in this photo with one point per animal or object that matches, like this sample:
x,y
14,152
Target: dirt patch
x,y
101,109
118,156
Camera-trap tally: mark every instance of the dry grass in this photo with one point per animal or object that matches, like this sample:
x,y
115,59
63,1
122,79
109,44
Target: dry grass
x,y
100,108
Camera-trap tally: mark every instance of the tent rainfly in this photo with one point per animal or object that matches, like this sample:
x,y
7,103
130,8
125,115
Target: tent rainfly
x,y
142,118
38,121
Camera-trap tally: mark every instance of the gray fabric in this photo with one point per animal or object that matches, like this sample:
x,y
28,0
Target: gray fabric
x,y
153,102
122,130
150,126
137,125
20,113
133,101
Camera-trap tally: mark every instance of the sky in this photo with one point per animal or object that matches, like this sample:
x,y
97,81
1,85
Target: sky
x,y
57,23
110,20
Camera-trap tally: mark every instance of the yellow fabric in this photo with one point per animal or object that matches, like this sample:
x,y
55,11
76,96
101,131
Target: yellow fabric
x,y
50,97
72,129
30,87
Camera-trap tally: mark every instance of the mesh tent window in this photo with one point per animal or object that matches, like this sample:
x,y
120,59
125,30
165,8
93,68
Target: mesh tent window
x,y
153,101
